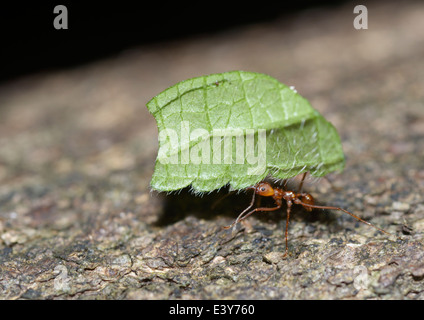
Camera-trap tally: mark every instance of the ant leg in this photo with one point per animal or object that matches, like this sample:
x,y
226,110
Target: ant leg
x,y
260,209
258,201
241,214
340,209
289,204
301,182
240,218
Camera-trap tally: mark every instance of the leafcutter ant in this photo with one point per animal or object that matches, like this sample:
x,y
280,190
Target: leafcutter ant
x,y
304,199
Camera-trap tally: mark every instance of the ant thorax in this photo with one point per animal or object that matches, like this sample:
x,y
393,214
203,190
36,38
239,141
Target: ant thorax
x,y
279,193
288,195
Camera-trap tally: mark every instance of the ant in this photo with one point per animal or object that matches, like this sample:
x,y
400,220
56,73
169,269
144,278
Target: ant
x,y
304,199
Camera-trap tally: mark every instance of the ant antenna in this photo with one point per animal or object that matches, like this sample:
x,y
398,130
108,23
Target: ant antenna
x,y
239,218
340,209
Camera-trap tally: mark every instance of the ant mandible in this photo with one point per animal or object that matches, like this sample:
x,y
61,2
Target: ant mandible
x,y
304,199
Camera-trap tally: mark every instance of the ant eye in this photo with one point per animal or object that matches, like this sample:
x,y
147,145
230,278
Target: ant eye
x,y
264,189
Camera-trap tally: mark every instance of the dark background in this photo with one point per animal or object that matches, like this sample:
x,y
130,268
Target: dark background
x,y
96,30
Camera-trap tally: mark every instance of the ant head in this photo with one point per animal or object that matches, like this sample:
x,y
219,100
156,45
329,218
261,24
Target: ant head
x,y
264,189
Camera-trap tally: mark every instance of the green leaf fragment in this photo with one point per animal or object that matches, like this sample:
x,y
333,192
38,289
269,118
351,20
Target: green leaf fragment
x,y
238,128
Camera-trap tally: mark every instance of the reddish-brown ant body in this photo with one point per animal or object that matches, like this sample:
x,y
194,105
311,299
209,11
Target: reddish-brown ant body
x,y
304,199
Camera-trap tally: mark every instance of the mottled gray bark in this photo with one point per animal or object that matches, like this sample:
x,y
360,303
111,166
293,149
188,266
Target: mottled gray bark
x,y
77,150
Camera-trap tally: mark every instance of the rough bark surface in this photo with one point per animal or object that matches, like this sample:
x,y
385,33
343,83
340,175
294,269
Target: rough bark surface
x,y
77,151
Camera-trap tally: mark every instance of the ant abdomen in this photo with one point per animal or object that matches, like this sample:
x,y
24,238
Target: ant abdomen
x,y
306,198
